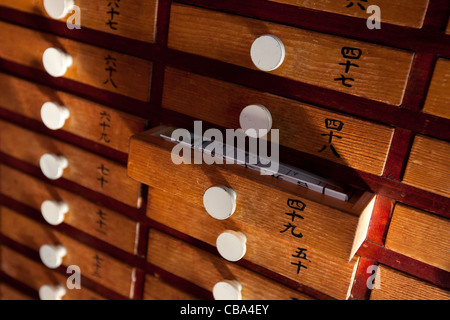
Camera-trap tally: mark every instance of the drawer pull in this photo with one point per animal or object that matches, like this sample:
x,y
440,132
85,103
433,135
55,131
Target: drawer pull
x,y
51,256
227,290
52,166
48,292
58,9
219,202
54,211
231,245
255,120
56,62
267,52
53,115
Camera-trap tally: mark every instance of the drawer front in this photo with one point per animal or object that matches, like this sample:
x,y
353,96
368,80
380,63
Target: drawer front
x,y
36,275
413,233
268,243
358,144
10,293
428,165
84,215
395,285
135,19
93,263
169,253
391,11
156,289
100,68
336,63
85,168
438,98
86,119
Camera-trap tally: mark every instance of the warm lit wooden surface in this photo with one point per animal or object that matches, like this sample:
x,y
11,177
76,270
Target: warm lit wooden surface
x,y
156,289
438,98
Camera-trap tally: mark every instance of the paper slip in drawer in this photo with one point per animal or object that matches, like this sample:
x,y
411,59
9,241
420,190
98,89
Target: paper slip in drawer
x,y
37,276
60,110
58,159
57,249
342,139
58,205
206,270
420,235
134,19
438,97
428,166
354,67
393,12
61,57
395,285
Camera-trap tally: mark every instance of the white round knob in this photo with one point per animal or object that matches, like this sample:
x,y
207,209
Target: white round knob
x,y
51,256
231,245
56,61
48,292
54,211
52,166
227,290
267,52
53,115
58,9
255,120
219,202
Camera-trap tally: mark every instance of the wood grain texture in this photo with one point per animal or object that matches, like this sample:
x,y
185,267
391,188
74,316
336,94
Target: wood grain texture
x,y
84,215
262,201
381,73
428,166
134,19
157,289
396,285
94,264
207,269
420,235
84,168
91,65
363,145
9,293
36,275
86,118
391,12
438,98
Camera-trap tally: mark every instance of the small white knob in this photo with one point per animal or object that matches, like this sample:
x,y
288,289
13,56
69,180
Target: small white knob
x,y
52,166
231,245
267,52
53,115
219,202
54,211
255,120
51,256
227,290
48,292
56,61
58,9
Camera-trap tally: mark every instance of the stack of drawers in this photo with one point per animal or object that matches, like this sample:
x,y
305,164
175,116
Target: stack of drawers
x,y
89,187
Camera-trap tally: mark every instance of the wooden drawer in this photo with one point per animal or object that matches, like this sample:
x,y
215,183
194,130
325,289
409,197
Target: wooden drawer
x,y
84,215
438,98
85,168
135,20
428,165
100,68
391,11
35,275
361,145
105,126
9,293
156,289
206,270
395,285
94,264
375,72
420,235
